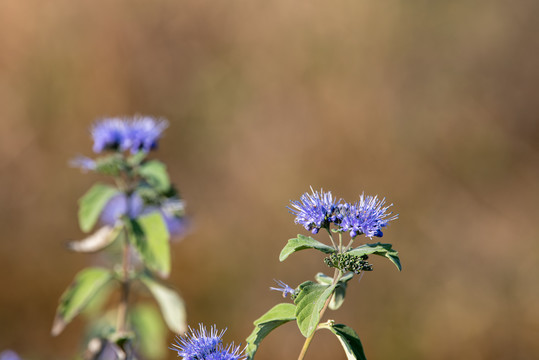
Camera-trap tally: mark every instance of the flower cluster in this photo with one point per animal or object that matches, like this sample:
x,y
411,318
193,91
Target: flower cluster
x,y
203,345
314,211
139,133
348,262
319,210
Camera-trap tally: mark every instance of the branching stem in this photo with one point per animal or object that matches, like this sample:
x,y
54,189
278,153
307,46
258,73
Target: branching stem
x,y
336,277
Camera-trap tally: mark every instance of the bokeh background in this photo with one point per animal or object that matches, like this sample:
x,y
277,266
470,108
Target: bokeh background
x,y
432,104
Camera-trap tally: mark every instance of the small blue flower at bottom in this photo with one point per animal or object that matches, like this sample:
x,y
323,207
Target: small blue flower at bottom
x,y
203,345
285,289
9,355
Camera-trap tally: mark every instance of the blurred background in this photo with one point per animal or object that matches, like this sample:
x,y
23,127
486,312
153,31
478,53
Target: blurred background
x,y
431,104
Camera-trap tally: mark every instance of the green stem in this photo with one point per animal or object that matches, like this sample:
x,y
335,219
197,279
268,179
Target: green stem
x,y
124,290
121,321
336,277
331,238
349,245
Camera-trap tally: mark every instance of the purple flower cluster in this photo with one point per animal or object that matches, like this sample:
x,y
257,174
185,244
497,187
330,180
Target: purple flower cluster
x,y
203,345
319,210
119,205
314,211
139,133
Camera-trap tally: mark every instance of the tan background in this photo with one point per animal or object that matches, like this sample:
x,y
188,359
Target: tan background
x,y
433,104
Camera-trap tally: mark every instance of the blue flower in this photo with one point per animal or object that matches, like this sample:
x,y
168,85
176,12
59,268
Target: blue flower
x,y
285,289
367,217
314,211
143,133
84,163
203,345
118,206
171,211
109,134
229,352
9,355
139,133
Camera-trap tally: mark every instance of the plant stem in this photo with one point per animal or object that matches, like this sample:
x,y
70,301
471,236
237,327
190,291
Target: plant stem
x,y
124,291
124,295
331,238
336,277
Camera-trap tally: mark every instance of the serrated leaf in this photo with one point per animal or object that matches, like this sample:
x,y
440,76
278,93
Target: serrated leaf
x,y
348,339
151,239
92,203
303,242
378,249
171,304
155,173
278,315
85,285
97,241
309,302
151,332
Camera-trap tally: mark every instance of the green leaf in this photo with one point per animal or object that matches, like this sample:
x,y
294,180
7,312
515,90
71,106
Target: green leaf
x,y
323,279
171,304
84,287
348,339
92,203
378,249
151,332
151,239
303,242
337,298
309,302
275,317
95,307
155,173
97,241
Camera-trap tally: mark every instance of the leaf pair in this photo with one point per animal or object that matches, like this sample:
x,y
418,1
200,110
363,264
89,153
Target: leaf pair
x,y
302,242
282,313
90,281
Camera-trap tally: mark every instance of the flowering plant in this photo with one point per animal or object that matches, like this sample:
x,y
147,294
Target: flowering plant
x,y
138,214
310,300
